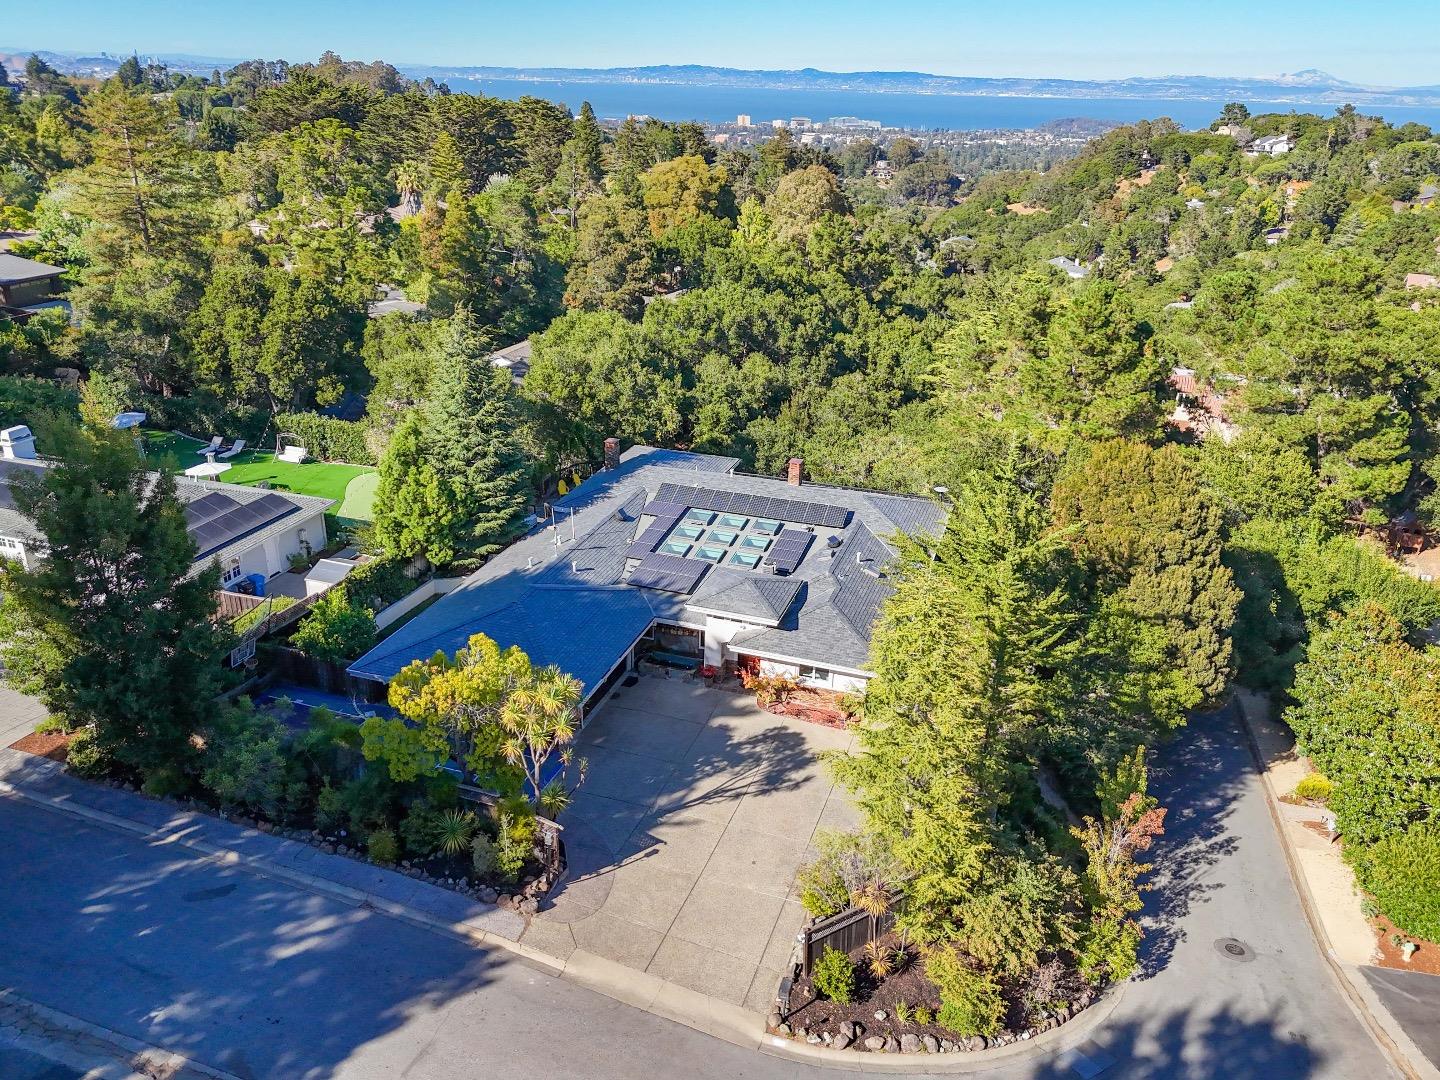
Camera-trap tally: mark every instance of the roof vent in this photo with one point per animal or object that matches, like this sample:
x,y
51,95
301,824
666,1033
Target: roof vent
x,y
833,542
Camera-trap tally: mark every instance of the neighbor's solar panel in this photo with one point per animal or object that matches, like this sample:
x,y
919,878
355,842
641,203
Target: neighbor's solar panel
x,y
668,573
208,508
244,519
733,502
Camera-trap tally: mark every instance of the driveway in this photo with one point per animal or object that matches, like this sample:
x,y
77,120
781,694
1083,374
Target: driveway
x,y
18,715
697,810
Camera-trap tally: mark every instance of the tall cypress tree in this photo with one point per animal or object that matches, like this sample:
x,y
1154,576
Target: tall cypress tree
x,y
109,631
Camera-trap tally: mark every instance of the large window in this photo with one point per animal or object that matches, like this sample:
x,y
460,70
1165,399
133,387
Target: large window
x,y
680,640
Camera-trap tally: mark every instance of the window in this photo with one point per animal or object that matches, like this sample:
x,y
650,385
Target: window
x,y
814,676
230,574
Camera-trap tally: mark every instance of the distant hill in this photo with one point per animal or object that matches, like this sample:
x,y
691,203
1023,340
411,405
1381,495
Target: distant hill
x,y
1306,87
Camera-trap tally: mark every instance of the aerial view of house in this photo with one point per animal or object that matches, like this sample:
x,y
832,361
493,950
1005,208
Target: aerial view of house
x,y
709,565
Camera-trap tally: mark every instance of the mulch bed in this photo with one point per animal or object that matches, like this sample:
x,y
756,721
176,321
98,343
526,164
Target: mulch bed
x,y
53,745
812,706
910,986
1426,958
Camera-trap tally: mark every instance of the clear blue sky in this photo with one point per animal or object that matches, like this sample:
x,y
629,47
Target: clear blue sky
x,y
1395,44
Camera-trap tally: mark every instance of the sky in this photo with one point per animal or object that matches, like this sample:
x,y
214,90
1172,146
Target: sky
x,y
1043,38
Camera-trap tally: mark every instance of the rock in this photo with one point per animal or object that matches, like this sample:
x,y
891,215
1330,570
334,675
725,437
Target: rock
x,y
849,1029
947,1046
881,1014
1024,1035
803,1032
529,906
782,1029
487,894
841,1042
930,1043
1064,1014
773,1020
974,1042
826,1038
892,1044
875,1042
505,900
909,1043
329,849
814,1040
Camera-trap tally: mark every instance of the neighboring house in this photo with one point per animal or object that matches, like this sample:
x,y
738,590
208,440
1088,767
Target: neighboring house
x,y
249,531
1421,281
27,286
1271,145
706,564
1195,204
881,170
1275,235
1072,268
1200,409
516,358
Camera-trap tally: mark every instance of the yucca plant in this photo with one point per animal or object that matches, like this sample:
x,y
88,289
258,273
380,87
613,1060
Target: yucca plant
x,y
902,1013
454,829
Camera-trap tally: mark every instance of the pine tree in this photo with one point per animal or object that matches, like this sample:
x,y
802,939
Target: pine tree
x,y
412,516
111,631
138,186
447,167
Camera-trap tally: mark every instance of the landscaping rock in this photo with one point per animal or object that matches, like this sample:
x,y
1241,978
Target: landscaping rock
x,y
909,1043
488,894
930,1043
826,1038
529,906
850,1030
505,900
782,1029
947,1046
881,1014
892,1044
974,1042
773,1020
841,1042
814,1040
875,1042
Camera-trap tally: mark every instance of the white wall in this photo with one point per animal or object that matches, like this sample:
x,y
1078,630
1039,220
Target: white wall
x,y
827,680
13,548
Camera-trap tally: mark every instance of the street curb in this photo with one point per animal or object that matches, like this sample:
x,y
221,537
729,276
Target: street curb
x,y
1392,1040
137,1052
640,990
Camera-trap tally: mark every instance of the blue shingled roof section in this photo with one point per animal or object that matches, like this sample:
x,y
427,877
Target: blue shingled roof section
x,y
747,594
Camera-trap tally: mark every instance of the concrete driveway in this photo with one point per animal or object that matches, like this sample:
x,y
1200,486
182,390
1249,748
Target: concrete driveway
x,y
697,810
18,715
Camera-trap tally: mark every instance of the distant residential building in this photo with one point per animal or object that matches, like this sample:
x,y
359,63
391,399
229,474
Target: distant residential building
x,y
801,121
1200,409
881,170
391,300
514,357
1275,235
1421,281
1194,204
1427,194
743,120
778,124
1072,268
855,123
1271,145
720,138
27,286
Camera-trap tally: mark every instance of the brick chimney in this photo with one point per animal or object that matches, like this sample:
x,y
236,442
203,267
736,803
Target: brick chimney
x,y
612,453
795,471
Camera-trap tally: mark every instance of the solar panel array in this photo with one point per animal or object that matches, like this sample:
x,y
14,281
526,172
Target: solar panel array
x,y
668,573
666,514
762,506
215,526
788,550
208,508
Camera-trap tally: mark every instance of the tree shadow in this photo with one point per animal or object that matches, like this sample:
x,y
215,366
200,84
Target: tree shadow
x,y
1185,1044
231,969
1198,778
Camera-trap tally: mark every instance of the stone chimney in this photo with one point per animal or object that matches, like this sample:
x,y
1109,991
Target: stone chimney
x,y
795,471
17,444
612,453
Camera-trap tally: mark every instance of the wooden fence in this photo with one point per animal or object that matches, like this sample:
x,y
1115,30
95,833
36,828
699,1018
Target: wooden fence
x,y
293,666
847,931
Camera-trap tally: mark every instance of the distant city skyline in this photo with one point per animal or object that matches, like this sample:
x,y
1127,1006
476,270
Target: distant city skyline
x,y
1047,38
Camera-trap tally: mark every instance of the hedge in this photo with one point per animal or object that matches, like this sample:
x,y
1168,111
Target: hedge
x,y
327,438
1402,872
380,583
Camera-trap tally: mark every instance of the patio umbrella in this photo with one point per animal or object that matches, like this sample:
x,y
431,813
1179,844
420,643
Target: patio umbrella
x,y
208,470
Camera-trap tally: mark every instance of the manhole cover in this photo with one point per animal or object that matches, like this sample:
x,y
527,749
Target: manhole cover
x,y
1234,949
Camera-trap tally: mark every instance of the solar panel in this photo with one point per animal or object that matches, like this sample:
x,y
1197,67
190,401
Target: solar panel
x,y
668,573
800,511
647,541
245,518
789,550
208,507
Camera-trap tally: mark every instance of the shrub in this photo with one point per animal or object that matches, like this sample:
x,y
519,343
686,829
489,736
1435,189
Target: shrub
x,y
1109,949
514,844
165,782
970,1002
383,846
54,724
369,800
1315,788
1402,871
483,856
379,583
419,831
86,756
336,630
327,438
248,765
330,812
880,959
903,1015
834,976
923,1016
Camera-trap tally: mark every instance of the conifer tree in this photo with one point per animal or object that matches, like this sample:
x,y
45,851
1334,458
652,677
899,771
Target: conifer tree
x,y
111,630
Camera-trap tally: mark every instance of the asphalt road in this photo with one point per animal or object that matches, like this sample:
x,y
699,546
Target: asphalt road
x,y
266,980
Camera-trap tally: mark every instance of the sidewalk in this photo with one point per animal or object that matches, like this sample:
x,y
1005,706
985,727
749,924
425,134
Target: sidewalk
x,y
45,782
1332,902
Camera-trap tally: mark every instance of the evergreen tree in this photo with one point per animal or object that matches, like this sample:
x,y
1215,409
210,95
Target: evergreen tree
x,y
412,515
112,631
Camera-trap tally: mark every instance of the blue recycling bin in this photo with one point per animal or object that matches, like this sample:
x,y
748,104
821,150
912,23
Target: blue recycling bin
x,y
258,580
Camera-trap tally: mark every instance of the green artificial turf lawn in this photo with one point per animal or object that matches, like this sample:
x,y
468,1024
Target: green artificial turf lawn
x,y
250,467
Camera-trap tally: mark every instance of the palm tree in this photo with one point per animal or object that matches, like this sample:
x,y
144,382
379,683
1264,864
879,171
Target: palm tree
x,y
409,180
538,719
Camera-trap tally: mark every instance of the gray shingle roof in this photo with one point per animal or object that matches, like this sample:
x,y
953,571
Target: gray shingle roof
x,y
14,269
566,603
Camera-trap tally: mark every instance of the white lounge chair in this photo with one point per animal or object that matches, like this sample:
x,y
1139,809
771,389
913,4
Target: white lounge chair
x,y
294,455
237,448
215,443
